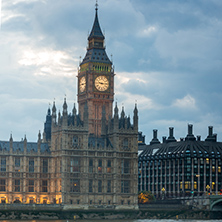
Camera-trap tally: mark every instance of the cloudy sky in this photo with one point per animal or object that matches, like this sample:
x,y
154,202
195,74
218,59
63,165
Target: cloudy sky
x,y
167,57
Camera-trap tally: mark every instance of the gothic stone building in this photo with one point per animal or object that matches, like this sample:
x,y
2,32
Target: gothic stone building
x,y
85,160
189,167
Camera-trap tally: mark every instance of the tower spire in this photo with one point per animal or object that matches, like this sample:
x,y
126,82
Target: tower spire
x,y
97,5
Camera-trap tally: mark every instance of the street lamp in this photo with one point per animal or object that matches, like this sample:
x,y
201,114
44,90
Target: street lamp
x,y
163,190
207,187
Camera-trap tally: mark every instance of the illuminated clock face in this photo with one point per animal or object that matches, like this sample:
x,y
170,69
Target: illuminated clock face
x,y
101,83
82,84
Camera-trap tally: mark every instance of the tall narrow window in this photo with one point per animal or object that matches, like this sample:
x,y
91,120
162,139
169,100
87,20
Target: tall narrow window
x,y
17,162
90,186
99,186
2,185
45,166
31,165
100,166
125,166
108,186
125,186
17,185
3,164
31,185
125,143
90,165
74,165
44,186
108,166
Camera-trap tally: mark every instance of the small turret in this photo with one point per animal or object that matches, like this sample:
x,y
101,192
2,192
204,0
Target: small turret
x,y
74,110
11,143
39,137
122,113
48,125
54,113
116,117
65,112
59,118
135,118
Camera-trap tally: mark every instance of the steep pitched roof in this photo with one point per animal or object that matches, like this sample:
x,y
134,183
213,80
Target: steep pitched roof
x,y
96,30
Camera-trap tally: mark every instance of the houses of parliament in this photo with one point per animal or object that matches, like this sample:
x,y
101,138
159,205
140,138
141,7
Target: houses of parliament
x,y
85,159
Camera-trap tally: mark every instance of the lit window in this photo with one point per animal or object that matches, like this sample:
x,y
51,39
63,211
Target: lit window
x,y
219,169
74,185
100,166
207,161
108,166
195,185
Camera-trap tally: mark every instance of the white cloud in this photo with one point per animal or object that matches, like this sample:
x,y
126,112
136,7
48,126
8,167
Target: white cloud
x,y
187,102
48,62
148,31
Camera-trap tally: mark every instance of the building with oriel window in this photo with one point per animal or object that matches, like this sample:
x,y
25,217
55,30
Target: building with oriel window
x,y
187,167
85,159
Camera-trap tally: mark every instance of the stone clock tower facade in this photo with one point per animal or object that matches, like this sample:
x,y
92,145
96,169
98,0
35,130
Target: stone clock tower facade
x,y
87,159
96,80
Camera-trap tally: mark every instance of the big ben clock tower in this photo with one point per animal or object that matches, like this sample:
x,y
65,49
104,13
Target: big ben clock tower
x,y
96,80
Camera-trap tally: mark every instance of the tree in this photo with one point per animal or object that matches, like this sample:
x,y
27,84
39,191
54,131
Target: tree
x,y
145,197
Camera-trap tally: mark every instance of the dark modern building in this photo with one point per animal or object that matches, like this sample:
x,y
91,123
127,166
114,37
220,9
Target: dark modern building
x,y
190,166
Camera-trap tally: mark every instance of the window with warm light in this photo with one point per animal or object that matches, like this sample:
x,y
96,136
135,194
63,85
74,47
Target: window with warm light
x,y
195,185
108,166
213,169
17,164
74,185
207,161
219,169
100,166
